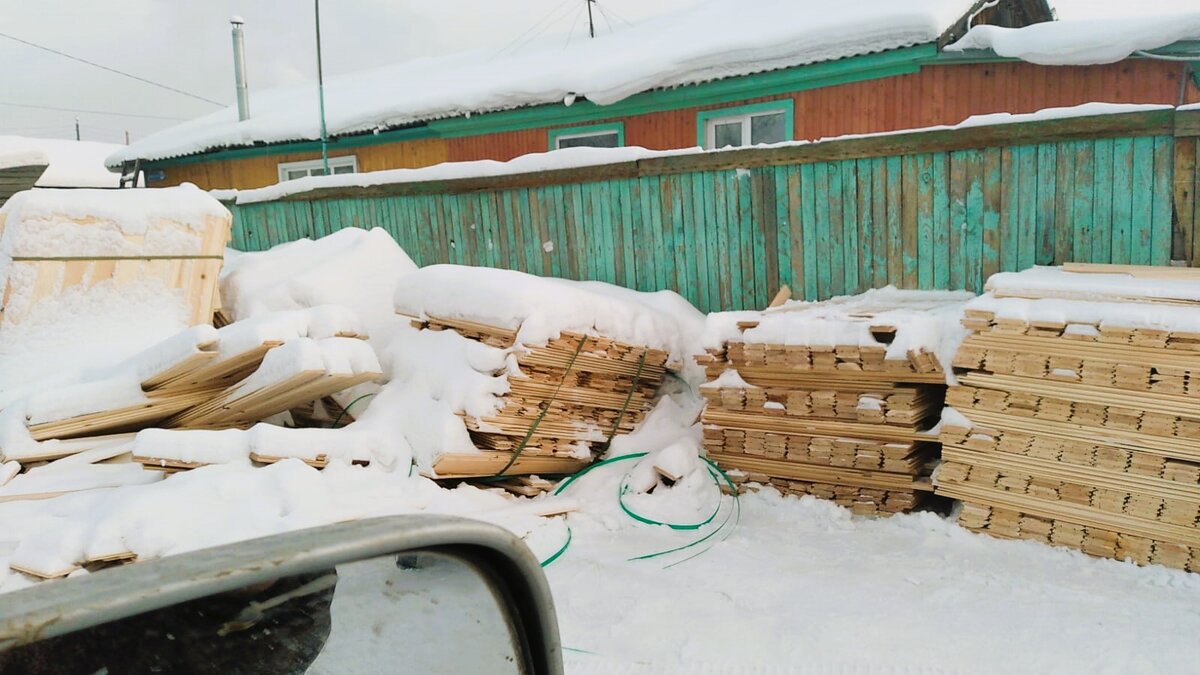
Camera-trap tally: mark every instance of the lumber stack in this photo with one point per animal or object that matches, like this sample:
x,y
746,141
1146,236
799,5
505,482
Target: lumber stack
x,y
1081,419
60,242
847,422
571,395
194,381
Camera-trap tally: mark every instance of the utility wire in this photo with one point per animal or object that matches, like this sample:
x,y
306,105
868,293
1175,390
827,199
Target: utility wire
x,y
113,70
556,10
92,112
620,18
571,31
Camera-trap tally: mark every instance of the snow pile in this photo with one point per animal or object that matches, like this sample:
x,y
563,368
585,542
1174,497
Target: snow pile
x,y
1089,286
73,164
58,223
230,446
1086,301
351,268
924,321
541,307
1084,41
669,51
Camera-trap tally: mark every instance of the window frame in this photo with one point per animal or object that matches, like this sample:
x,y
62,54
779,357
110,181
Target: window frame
x,y
555,135
310,164
706,120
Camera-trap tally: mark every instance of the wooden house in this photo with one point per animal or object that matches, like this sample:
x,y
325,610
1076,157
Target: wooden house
x,y
878,65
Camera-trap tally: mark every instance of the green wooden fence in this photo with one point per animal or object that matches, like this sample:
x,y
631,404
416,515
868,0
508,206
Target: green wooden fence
x,y
939,209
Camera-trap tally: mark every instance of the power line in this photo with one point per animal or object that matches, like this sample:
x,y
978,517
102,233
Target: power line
x,y
565,4
92,112
113,70
572,28
613,12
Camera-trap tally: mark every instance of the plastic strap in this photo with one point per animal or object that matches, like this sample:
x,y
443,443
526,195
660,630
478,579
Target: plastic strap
x,y
542,415
628,397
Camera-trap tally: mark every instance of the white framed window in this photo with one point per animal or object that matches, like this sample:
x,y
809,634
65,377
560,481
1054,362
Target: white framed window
x,y
747,125
604,139
316,167
611,135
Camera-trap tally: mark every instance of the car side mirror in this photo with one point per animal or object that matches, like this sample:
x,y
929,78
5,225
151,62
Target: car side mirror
x,y
420,593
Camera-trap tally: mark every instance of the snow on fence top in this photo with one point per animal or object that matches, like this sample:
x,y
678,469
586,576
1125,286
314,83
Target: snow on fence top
x,y
71,163
582,157
1085,41
689,47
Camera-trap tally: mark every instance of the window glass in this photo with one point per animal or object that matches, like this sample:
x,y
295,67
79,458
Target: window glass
x,y
293,174
768,128
727,133
603,140
345,168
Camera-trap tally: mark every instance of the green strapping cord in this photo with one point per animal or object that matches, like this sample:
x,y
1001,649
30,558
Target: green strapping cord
x,y
637,377
560,551
542,415
347,409
623,489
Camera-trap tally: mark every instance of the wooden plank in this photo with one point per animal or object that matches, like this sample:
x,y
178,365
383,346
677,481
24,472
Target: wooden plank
x,y
895,218
909,226
1027,203
992,178
484,464
850,250
751,298
1161,204
1102,204
940,180
926,254
1047,225
1185,200
1084,184
973,235
866,218
793,225
809,232
1122,200
778,468
879,221
1010,208
957,240
823,234
1141,249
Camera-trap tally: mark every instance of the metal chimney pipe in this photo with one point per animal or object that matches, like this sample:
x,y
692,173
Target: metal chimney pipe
x,y
239,68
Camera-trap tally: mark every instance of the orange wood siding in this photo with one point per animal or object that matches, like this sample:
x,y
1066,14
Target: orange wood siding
x,y
942,94
255,172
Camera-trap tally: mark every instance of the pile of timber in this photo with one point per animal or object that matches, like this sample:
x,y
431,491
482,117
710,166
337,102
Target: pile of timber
x,y
571,396
59,242
186,382
1082,418
836,421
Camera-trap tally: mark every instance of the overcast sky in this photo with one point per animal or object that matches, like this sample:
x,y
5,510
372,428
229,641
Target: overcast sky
x,y
187,45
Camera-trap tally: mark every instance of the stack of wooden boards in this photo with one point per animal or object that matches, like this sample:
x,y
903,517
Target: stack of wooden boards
x,y
265,367
59,242
1081,418
839,421
571,395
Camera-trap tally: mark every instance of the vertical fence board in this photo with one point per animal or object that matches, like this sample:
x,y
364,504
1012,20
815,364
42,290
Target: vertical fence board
x,y
1140,249
866,221
958,220
1102,201
850,252
895,246
1122,199
808,231
1161,206
879,221
925,236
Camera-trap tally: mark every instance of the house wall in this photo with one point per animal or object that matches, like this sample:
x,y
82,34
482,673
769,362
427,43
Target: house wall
x,y
937,94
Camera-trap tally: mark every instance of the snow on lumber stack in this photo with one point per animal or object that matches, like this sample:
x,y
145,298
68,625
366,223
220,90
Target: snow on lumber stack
x,y
203,377
579,362
166,241
834,398
1079,418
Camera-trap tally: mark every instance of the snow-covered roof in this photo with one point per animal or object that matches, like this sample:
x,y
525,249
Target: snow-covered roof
x,y
71,163
1084,41
696,45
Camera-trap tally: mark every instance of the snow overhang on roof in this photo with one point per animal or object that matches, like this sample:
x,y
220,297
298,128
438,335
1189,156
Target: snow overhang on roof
x,y
690,47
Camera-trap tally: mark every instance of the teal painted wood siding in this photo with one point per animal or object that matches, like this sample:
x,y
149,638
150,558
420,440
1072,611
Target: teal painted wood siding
x,y
728,237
